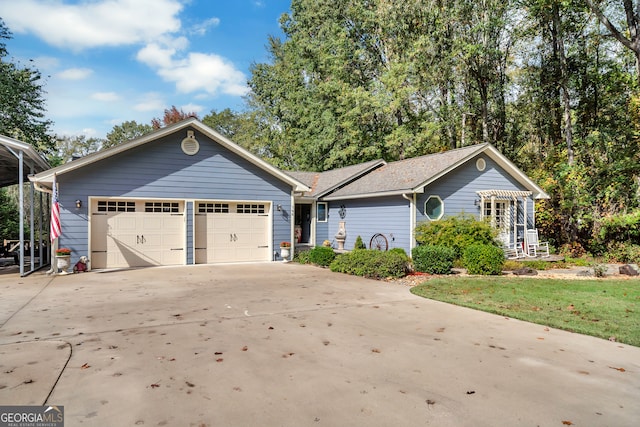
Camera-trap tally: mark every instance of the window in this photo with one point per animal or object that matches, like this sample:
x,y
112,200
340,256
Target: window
x,y
166,207
246,208
481,164
116,206
434,208
213,208
321,212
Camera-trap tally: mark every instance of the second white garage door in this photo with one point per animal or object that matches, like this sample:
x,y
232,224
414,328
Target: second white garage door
x,y
231,232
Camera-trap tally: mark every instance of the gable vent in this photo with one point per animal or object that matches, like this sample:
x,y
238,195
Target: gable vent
x,y
190,144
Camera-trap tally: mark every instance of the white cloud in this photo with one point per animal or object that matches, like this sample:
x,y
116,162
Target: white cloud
x,y
105,96
150,102
93,23
192,108
74,73
206,72
201,28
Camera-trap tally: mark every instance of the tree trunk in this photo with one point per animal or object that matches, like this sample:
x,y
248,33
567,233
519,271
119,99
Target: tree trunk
x,y
566,100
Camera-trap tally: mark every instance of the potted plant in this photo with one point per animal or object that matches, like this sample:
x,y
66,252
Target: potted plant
x,y
285,250
63,257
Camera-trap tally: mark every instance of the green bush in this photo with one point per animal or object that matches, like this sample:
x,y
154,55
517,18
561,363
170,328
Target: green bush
x,y
433,259
321,255
456,232
483,259
302,257
372,263
622,252
399,250
359,244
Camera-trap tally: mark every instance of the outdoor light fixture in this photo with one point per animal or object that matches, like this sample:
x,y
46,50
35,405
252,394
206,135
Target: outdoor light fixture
x,y
279,208
78,203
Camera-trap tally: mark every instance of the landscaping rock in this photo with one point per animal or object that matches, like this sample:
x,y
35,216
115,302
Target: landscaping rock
x,y
525,271
628,270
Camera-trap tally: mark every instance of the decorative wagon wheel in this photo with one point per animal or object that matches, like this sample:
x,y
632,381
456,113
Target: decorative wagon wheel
x,y
379,242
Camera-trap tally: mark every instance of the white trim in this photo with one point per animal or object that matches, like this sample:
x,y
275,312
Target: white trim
x,y
46,177
434,196
326,211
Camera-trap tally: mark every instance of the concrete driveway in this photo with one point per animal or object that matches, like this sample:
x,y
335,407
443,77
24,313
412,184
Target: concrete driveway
x,y
291,345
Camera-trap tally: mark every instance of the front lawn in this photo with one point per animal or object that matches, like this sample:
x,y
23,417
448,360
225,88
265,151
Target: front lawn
x,y
601,308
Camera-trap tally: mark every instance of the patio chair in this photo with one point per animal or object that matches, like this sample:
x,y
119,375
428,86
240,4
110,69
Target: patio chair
x,y
534,246
513,251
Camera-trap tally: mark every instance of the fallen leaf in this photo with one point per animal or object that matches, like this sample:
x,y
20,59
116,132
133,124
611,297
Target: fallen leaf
x,y
618,369
85,366
245,348
190,384
430,402
546,329
540,338
440,330
220,359
155,385
471,392
567,423
570,307
375,350
217,353
270,327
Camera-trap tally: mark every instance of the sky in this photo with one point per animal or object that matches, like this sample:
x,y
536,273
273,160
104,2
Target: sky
x,y
105,62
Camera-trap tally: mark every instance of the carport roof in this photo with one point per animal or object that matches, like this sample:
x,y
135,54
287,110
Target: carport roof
x,y
10,150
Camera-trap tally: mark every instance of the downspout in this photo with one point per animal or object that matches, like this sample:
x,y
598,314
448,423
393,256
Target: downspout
x,y
412,219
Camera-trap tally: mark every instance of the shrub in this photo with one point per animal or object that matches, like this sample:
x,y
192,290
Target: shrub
x,y
483,259
359,244
399,250
371,263
302,257
434,259
456,232
321,255
622,252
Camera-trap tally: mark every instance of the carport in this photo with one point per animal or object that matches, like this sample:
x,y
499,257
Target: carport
x,y
18,160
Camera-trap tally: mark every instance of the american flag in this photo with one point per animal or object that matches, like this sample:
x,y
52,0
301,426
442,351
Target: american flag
x,y
56,230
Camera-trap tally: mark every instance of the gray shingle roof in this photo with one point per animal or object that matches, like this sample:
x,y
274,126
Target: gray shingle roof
x,y
321,182
406,175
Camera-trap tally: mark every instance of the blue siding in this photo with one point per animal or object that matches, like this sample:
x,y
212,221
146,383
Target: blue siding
x,y
458,189
159,169
366,217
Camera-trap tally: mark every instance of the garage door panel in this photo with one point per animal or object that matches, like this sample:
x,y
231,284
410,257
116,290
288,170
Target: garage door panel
x,y
137,236
235,232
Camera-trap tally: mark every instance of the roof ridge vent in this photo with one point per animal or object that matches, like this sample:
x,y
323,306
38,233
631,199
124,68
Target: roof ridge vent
x,y
190,145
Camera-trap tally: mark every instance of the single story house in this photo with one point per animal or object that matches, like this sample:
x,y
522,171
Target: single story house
x,y
187,195
383,202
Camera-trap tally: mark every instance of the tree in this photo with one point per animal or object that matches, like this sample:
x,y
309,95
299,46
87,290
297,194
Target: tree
x,y
124,132
71,147
629,38
171,116
22,105
9,214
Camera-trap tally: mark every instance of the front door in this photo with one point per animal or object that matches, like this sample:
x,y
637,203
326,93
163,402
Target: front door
x,y
303,223
499,211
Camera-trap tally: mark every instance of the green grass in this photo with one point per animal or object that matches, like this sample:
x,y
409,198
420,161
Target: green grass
x,y
600,308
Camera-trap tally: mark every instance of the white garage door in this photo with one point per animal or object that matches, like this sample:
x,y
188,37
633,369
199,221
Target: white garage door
x,y
231,232
137,233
